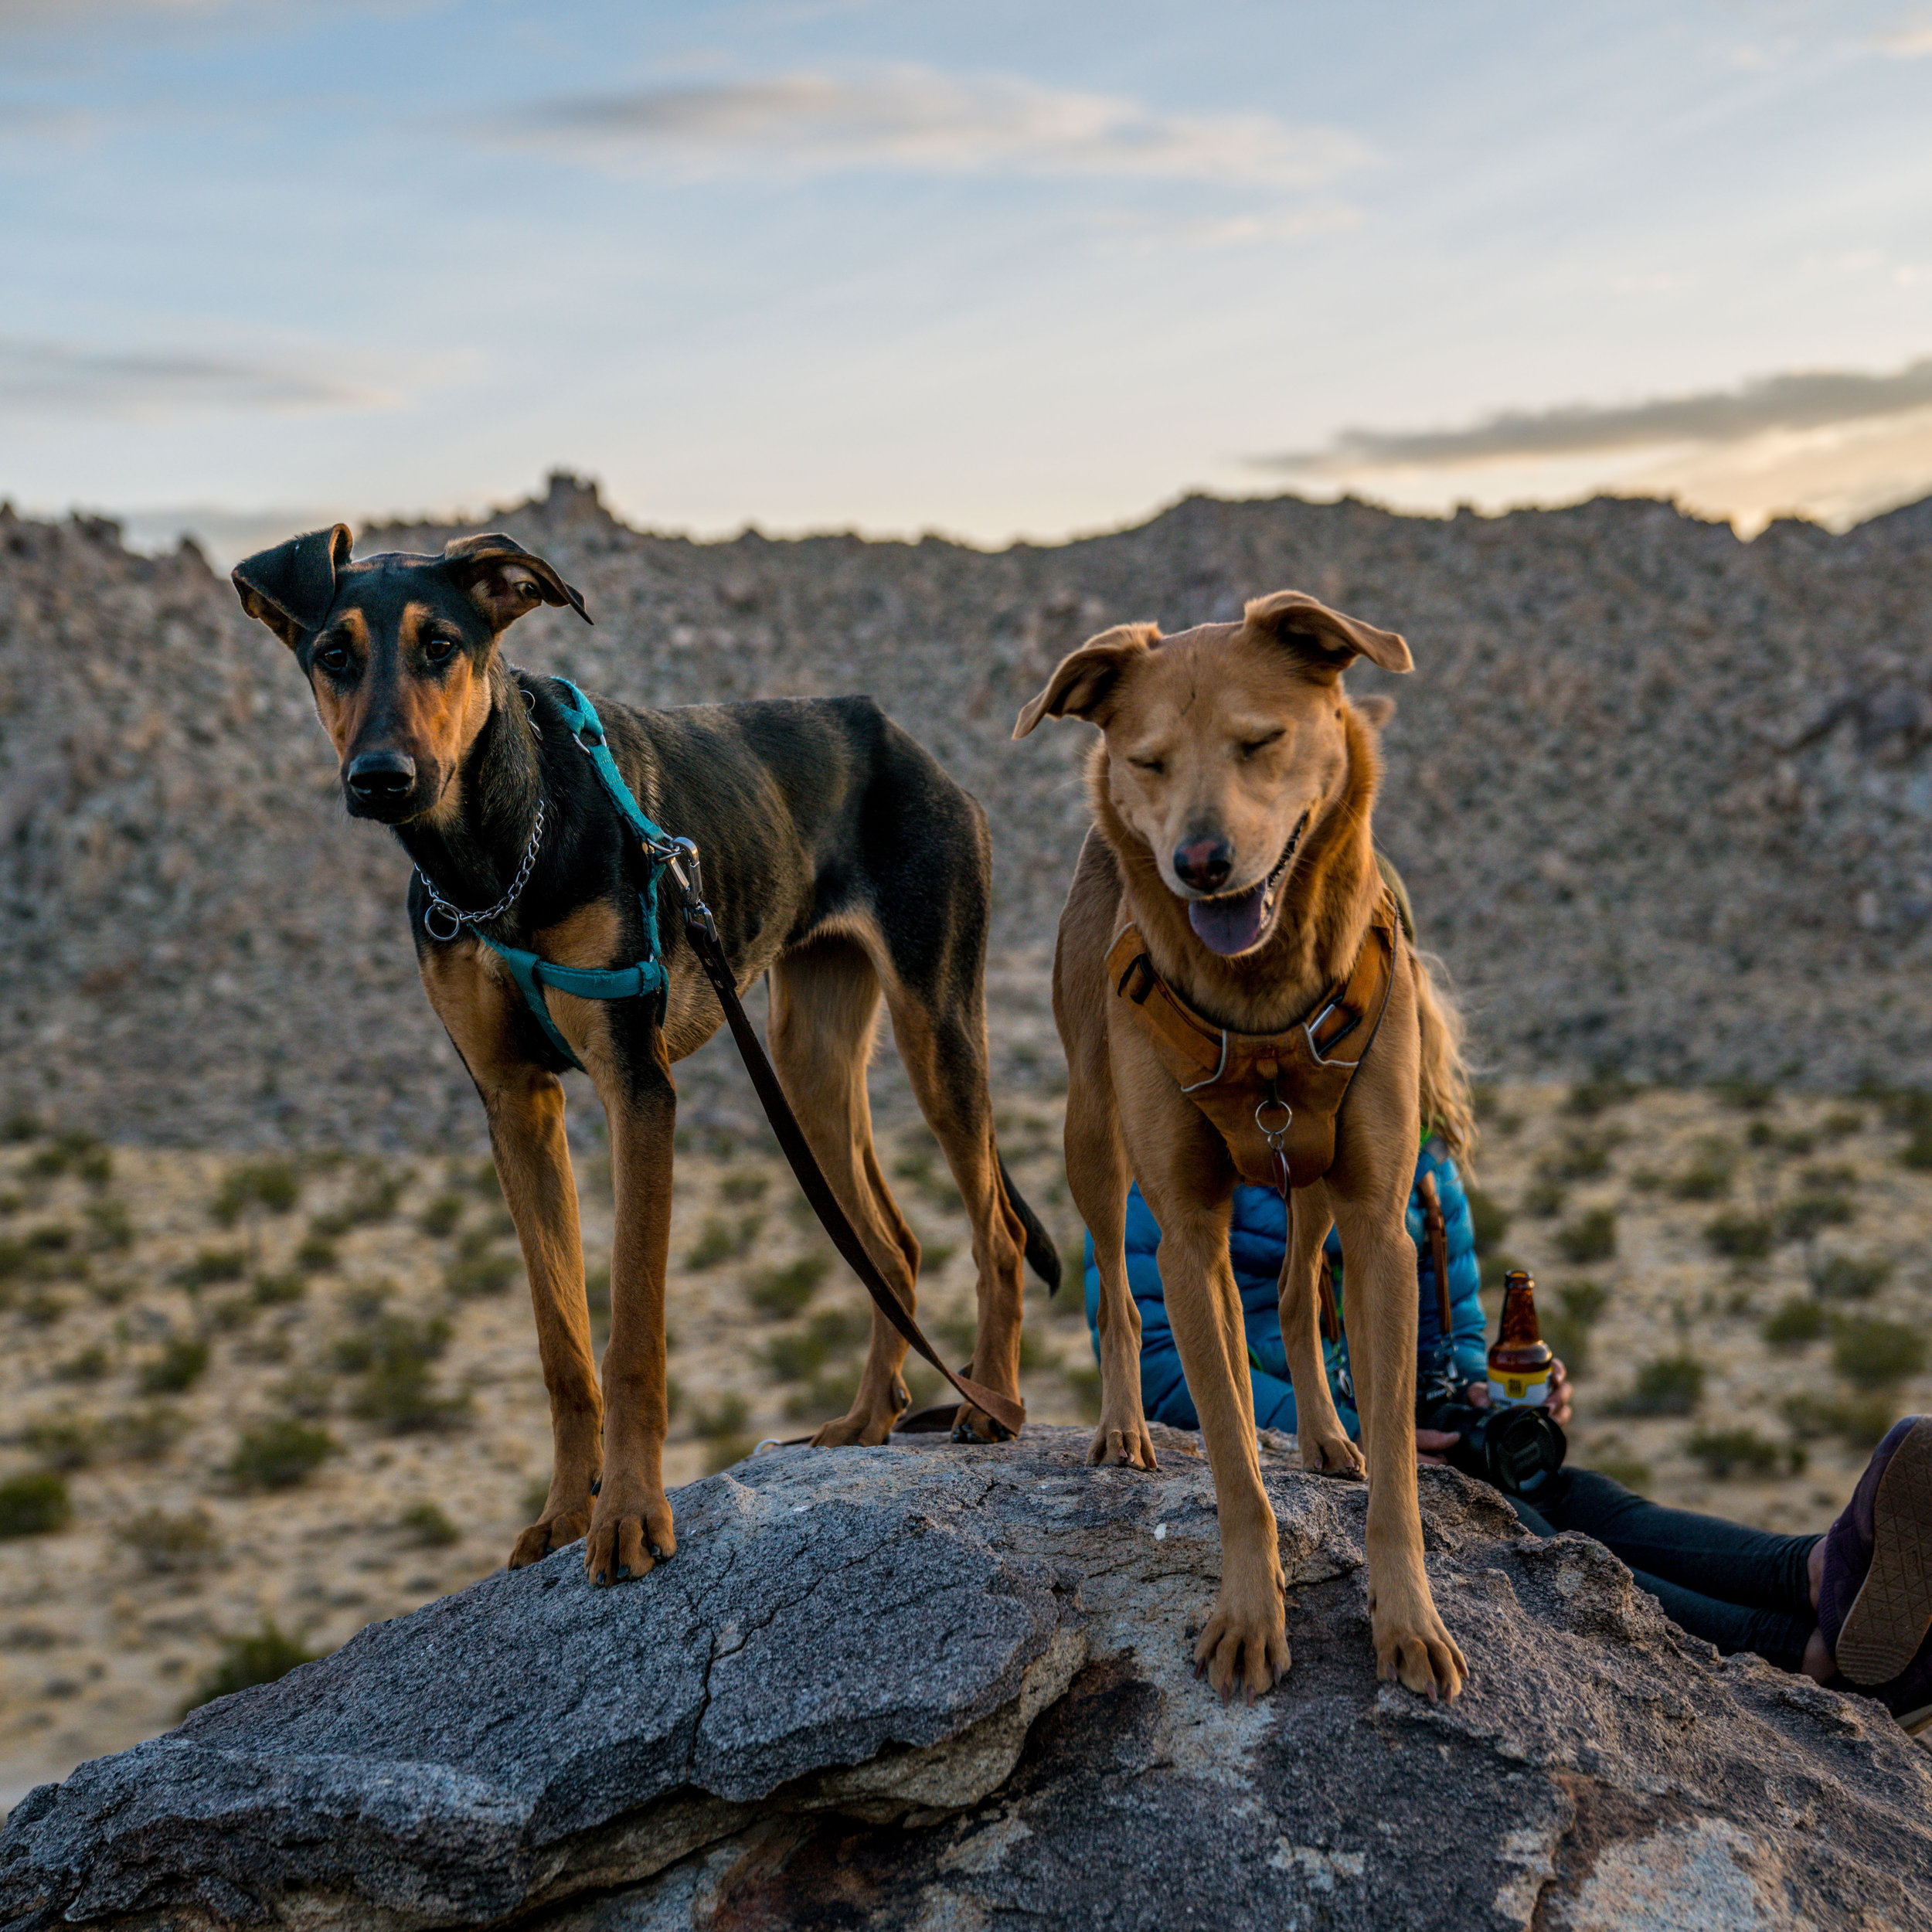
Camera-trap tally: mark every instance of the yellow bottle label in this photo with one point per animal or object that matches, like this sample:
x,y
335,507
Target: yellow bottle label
x,y
1507,1389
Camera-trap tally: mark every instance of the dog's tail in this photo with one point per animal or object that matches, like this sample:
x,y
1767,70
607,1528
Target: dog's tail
x,y
1042,1256
1448,1112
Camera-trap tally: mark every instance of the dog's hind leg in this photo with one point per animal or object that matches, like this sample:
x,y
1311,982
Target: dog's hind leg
x,y
525,1105
824,1009
1325,1443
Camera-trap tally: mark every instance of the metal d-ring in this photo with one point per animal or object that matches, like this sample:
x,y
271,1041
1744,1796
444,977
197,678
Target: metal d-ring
x,y
431,914
1274,1136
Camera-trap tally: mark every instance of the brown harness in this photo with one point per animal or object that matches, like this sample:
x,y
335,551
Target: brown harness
x,y
1273,1097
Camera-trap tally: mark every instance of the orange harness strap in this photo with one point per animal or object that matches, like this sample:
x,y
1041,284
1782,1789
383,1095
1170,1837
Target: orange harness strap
x,y
1273,1097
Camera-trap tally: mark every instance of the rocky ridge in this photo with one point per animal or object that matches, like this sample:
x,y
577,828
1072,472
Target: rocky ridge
x,y
1662,797
945,1687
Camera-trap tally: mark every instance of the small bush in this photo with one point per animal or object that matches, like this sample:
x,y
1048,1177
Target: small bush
x,y
1748,1096
396,1390
723,1430
1604,1089
1544,1200
35,1505
166,1543
1578,1306
1085,1383
112,1229
1729,1452
1843,1122
1706,1179
1669,1385
178,1368
439,1218
1630,1471
372,1199
479,1269
77,1153
246,1662
428,1525
1592,1237
278,1291
20,1127
146,1433
212,1265
719,1240
1845,1277
1584,1157
1917,1154
1739,1237
42,1311
744,1184
1861,1420
1488,1221
65,1441
1874,1354
90,1365
315,1255
266,1184
1802,1216
310,1396
1798,1321
597,1293
280,1455
785,1291
238,1311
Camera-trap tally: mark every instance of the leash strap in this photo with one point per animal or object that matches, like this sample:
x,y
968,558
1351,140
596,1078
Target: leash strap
x,y
1435,1231
702,930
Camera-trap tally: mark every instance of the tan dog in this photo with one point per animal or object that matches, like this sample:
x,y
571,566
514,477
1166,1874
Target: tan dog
x,y
1232,792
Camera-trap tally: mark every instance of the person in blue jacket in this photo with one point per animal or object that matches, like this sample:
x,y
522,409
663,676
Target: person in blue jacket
x,y
1738,1588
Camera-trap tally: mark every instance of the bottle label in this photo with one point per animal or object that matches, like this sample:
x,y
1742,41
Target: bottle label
x,y
1508,1389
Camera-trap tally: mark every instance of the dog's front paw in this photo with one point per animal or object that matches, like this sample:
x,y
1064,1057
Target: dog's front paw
x,y
1328,1452
631,1532
1245,1642
1418,1651
860,1427
551,1531
1121,1439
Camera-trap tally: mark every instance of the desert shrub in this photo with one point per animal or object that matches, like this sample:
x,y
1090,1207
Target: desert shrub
x,y
315,1255
373,1198
1802,1216
1669,1385
1842,1122
179,1367
1871,1353
77,1153
1621,1467
366,1302
1707,1178
1084,1380
1747,1096
237,1312
721,1241
439,1218
64,1440
743,1185
1488,1221
36,1504
428,1525
1544,1200
42,1311
310,1396
1861,1420
212,1265
1739,1237
14,1259
396,1391
1604,1089
21,1127
246,1662
799,1354
276,1290
723,1430
112,1229
1762,1135
1797,1321
597,1293
280,1455
1845,1277
89,1365
1917,1154
1577,1308
1731,1452
148,1432
786,1291
1591,1237
480,1267
1583,1157
166,1543
265,1183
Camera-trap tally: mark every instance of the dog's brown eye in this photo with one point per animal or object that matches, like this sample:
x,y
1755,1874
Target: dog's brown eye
x,y
439,650
1256,745
333,657
1152,767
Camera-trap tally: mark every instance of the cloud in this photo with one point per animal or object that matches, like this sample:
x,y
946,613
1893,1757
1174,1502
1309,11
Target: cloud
x,y
1800,401
48,378
913,119
1909,38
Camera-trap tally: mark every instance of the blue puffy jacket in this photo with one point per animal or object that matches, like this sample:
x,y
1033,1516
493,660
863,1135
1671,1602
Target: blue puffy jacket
x,y
1258,1235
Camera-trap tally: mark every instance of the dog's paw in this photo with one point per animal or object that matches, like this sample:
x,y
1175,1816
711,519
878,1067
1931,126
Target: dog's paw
x,y
552,1530
1245,1643
1419,1653
630,1533
859,1428
1121,1441
1330,1453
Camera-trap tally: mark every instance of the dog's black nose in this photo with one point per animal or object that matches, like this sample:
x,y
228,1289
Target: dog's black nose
x,y
1204,863
381,777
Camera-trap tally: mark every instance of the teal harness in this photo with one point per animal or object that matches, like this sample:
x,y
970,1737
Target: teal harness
x,y
533,973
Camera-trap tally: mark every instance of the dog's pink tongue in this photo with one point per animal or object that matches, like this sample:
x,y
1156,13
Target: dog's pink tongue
x,y
1227,925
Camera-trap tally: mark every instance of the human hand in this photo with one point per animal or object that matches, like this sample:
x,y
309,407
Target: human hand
x,y
1557,1406
1433,1445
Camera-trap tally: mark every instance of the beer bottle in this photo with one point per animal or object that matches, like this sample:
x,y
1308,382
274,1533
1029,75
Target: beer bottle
x,y
1520,1362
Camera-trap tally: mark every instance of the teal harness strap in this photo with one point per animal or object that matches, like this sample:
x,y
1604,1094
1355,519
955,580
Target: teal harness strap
x,y
532,973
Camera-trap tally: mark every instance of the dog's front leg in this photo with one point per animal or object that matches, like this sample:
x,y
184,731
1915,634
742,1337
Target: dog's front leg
x,y
1246,1638
1325,1443
631,1528
1411,1642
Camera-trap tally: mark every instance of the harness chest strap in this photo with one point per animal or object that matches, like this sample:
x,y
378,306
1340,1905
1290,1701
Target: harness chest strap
x,y
1273,1097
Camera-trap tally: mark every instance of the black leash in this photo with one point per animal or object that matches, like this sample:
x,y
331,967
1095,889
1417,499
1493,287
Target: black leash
x,y
702,930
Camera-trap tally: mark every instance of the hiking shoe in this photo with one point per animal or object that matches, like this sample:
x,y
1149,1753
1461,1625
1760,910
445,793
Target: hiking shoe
x,y
1874,1600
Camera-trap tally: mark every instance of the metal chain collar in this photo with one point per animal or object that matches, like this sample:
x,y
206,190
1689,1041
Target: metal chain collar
x,y
439,909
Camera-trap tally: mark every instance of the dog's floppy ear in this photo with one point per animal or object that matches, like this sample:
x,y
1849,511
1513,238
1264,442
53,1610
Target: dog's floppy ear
x,y
1328,638
291,587
1080,688
504,579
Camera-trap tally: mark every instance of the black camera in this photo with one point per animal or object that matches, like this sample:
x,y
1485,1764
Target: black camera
x,y
1517,1448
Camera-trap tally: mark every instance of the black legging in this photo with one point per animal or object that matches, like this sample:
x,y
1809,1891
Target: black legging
x,y
1737,1588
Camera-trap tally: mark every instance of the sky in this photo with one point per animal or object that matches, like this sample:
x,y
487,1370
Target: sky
x,y
994,271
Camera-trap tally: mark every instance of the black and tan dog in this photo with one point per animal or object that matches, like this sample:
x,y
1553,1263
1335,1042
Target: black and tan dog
x,y
1233,991
838,856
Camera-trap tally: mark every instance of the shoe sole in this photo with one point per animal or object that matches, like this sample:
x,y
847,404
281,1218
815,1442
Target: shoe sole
x,y
1890,1616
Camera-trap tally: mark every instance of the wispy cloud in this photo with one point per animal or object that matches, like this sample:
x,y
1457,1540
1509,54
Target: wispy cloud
x,y
1804,400
51,378
1908,37
914,119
